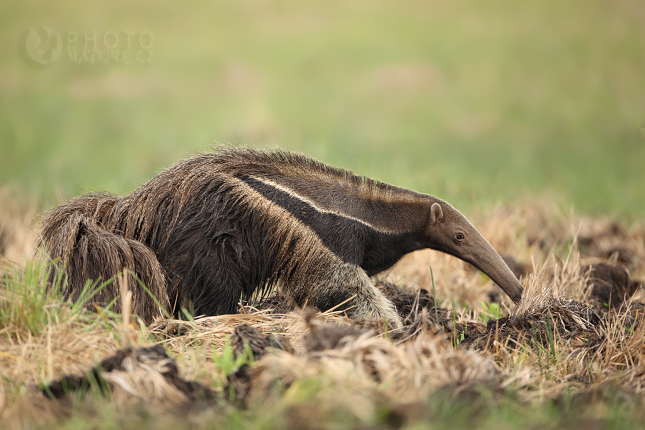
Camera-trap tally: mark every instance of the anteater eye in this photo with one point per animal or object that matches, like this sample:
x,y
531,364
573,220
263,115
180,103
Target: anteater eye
x,y
459,237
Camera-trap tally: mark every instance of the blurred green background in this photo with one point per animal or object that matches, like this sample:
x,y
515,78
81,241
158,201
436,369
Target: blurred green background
x,y
478,102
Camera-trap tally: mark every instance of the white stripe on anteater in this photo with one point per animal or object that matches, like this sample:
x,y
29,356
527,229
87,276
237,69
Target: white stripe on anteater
x,y
314,205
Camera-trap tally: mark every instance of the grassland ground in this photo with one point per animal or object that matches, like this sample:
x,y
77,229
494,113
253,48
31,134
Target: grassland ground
x,y
571,354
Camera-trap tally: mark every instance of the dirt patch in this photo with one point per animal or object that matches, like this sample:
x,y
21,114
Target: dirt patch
x,y
248,339
146,374
611,284
257,341
610,240
555,319
408,302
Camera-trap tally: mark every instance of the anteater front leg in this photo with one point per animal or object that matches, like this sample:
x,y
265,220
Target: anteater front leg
x,y
345,282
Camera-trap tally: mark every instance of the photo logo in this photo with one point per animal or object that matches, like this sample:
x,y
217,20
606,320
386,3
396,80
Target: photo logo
x,y
43,45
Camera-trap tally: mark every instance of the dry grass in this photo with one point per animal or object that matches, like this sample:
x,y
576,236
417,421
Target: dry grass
x,y
16,229
325,371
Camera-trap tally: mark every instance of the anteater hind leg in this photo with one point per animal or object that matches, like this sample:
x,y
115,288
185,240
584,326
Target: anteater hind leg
x,y
88,251
347,282
209,271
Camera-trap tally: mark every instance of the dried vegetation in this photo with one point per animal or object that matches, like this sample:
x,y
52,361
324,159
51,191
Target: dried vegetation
x,y
578,333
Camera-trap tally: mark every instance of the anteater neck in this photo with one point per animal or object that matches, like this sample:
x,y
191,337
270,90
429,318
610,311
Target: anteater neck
x,y
401,221
383,251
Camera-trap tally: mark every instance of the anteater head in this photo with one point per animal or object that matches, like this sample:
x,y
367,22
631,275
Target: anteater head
x,y
450,232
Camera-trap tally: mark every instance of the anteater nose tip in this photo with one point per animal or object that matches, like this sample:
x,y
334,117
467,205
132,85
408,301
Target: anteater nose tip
x,y
517,298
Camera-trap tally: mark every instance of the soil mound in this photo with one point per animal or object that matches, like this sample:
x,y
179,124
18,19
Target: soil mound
x,y
146,373
611,284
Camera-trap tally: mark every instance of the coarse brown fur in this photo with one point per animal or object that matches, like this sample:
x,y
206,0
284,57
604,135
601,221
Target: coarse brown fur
x,y
223,226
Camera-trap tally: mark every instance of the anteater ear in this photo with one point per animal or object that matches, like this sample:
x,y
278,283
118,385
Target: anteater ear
x,y
436,214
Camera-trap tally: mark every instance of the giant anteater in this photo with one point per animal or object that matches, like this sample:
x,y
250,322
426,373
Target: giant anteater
x,y
219,227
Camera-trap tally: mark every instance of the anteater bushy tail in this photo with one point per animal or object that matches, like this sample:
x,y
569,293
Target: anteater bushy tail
x,y
73,236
